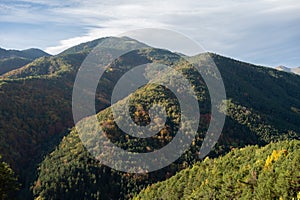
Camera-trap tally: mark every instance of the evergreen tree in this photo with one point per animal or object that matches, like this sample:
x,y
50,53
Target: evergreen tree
x,y
8,181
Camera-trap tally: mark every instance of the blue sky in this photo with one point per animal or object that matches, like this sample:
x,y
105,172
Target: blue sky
x,y
265,32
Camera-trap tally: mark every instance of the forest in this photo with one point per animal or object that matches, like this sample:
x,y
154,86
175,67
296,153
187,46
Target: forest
x,y
43,157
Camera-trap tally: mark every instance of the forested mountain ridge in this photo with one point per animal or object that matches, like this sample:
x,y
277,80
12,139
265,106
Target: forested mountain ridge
x,y
35,109
14,59
27,53
36,113
260,111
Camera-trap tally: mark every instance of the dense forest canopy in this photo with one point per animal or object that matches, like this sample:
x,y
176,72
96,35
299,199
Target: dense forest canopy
x,y
269,172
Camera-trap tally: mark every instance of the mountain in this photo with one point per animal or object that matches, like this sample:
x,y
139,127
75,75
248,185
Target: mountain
x,y
27,53
36,100
107,43
295,70
270,172
263,107
36,112
14,59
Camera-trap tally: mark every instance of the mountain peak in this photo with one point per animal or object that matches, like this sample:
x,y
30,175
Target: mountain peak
x,y
14,59
108,42
31,53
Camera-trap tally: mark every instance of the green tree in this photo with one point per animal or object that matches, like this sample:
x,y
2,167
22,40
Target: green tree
x,y
8,181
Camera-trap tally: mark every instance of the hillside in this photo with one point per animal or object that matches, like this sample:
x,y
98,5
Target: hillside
x,y
27,53
36,113
263,107
14,59
270,172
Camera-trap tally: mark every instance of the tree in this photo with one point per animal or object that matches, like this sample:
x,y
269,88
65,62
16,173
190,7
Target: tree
x,y
8,181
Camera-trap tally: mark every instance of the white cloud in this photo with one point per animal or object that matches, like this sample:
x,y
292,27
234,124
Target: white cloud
x,y
91,35
231,27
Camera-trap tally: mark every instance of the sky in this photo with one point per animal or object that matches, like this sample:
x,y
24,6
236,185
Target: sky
x,y
264,32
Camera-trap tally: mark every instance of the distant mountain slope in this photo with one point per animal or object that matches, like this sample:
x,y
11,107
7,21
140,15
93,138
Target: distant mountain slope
x,y
14,59
270,172
28,53
8,64
263,107
295,70
47,66
57,64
